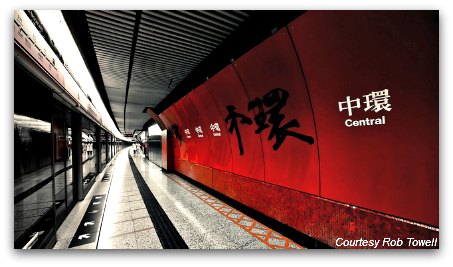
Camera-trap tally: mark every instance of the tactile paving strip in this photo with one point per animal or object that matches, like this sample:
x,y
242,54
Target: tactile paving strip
x,y
263,233
165,230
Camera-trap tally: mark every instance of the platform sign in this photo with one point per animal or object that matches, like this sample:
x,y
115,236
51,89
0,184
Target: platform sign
x,y
215,128
376,101
199,131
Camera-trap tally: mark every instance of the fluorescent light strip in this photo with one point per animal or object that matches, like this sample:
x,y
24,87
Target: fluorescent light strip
x,y
58,30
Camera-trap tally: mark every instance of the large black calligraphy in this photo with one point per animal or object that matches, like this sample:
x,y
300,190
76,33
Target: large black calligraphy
x,y
275,100
269,115
232,115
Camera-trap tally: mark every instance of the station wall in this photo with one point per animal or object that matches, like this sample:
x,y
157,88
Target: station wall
x,y
276,130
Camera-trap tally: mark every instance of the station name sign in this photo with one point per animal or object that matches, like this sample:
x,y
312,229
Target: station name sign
x,y
374,101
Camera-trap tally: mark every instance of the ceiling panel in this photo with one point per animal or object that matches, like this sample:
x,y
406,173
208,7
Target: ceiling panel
x,y
163,47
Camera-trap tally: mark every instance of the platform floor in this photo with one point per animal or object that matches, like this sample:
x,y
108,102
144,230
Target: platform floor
x,y
134,205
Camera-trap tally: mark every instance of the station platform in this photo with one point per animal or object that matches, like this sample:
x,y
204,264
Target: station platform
x,y
135,205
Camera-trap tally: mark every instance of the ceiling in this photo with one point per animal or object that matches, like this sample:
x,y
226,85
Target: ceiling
x,y
137,58
144,55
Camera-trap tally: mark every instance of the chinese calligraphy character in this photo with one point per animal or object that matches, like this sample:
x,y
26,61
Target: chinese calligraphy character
x,y
260,118
349,105
275,100
187,131
215,128
232,115
377,101
199,131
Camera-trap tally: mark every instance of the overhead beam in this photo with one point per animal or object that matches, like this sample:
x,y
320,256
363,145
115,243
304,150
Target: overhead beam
x,y
138,16
155,117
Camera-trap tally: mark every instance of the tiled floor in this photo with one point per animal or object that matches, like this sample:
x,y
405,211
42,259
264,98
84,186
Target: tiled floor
x,y
126,223
203,222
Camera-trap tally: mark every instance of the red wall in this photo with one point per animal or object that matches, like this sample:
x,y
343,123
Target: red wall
x,y
315,63
226,89
274,65
392,168
219,140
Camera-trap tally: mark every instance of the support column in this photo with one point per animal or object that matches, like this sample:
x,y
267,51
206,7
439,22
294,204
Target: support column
x,y
107,147
98,149
77,155
155,117
167,151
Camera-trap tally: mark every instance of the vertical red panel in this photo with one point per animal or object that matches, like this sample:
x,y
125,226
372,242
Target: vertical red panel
x,y
216,129
226,90
200,133
391,168
164,119
208,114
178,140
169,121
169,144
273,80
167,151
188,134
164,149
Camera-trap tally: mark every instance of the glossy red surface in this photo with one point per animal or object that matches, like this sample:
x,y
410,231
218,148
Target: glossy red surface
x,y
392,168
186,131
352,181
178,143
272,66
218,137
317,217
197,172
164,119
198,131
226,89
